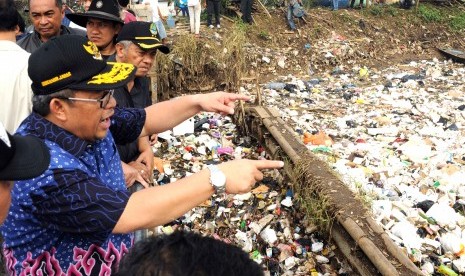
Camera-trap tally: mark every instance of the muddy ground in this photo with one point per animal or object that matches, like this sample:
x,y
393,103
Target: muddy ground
x,y
326,41
379,36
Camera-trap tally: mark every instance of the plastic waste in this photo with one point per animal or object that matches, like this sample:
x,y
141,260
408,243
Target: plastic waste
x,y
450,242
444,270
275,85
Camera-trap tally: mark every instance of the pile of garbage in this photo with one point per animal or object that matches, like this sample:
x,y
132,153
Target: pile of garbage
x,y
265,222
396,138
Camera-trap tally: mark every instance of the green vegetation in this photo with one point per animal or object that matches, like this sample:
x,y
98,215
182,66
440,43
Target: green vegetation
x,y
309,196
240,26
391,10
264,35
457,23
196,65
429,14
453,17
382,11
376,10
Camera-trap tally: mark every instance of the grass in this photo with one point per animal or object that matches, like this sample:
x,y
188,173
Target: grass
x,y
382,11
315,204
429,14
457,23
199,65
264,35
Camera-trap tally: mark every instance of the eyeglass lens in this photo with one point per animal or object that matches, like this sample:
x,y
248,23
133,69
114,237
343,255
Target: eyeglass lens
x,y
106,98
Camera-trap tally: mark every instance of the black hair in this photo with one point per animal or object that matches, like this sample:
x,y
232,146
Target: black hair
x,y
58,3
41,103
21,23
123,3
9,16
186,253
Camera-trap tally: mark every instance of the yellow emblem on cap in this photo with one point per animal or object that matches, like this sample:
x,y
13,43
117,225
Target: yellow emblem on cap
x,y
119,71
92,49
55,79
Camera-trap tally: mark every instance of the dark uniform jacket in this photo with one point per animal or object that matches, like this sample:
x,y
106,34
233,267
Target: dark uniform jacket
x,y
32,41
140,96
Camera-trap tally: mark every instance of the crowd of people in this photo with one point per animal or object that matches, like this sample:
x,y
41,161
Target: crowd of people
x,y
79,105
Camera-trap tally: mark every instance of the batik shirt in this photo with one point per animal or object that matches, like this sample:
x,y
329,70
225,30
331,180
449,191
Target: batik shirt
x,y
60,222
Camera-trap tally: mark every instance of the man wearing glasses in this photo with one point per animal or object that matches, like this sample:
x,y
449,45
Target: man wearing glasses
x,y
77,217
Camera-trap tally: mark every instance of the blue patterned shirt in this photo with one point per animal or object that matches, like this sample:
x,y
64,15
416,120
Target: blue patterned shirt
x,y
60,222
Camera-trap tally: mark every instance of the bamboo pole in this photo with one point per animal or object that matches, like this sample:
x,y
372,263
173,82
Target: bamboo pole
x,y
263,6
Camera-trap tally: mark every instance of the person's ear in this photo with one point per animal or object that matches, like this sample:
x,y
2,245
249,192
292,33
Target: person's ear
x,y
119,51
63,8
59,109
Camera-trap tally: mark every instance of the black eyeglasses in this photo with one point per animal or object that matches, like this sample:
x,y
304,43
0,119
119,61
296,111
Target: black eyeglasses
x,y
104,100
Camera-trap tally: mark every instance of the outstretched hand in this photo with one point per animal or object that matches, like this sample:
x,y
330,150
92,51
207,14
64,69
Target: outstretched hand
x,y
241,175
221,102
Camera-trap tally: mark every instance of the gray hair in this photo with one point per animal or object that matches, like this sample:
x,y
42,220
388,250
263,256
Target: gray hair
x,y
125,43
41,103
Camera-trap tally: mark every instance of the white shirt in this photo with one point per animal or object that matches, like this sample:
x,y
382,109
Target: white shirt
x,y
154,5
15,85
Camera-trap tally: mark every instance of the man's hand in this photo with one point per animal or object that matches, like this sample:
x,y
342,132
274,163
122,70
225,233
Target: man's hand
x,y
153,139
241,175
220,102
132,174
145,163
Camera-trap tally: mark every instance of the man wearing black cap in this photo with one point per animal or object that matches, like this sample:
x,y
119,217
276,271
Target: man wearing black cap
x,y
137,44
77,217
102,22
46,16
20,158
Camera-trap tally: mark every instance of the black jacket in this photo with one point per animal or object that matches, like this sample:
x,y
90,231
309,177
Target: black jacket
x,y
32,41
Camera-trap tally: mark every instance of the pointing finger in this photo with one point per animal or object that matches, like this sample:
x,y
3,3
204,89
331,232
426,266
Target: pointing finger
x,y
268,164
236,97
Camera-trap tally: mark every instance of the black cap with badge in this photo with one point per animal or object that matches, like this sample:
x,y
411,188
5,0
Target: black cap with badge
x,y
74,62
21,157
143,34
100,9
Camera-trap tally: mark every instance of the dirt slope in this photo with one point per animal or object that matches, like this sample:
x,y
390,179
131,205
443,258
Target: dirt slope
x,y
375,37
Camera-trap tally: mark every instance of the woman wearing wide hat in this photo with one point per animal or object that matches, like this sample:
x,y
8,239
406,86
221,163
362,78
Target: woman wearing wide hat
x,y
102,22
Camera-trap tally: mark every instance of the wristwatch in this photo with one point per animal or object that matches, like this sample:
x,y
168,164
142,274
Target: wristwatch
x,y
217,180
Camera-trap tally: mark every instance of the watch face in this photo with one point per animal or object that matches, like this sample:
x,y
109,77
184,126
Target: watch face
x,y
218,179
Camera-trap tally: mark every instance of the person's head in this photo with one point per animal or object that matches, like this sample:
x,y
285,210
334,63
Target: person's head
x,y
102,21
20,158
123,3
46,16
186,253
85,4
137,44
73,86
9,16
